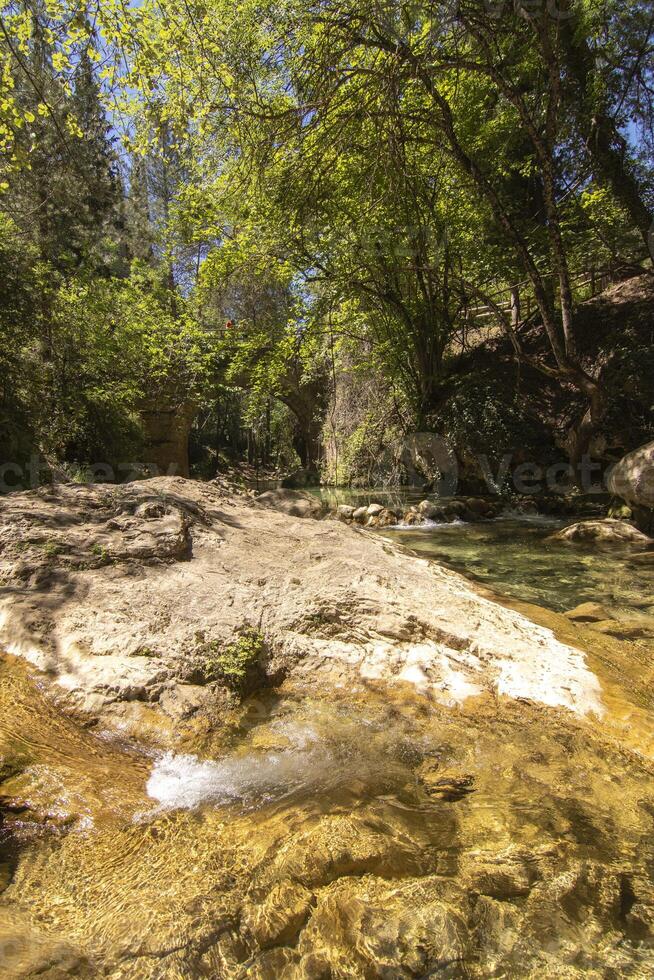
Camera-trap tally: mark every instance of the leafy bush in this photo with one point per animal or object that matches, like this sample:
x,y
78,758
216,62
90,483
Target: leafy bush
x,y
236,664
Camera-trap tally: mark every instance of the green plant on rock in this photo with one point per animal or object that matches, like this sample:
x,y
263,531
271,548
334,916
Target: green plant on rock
x,y
52,548
234,663
99,551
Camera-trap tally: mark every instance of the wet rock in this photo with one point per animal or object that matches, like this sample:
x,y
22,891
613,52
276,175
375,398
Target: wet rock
x,y
277,919
373,510
406,930
607,531
478,507
387,518
620,512
525,505
587,612
453,509
507,874
295,503
344,512
341,846
429,509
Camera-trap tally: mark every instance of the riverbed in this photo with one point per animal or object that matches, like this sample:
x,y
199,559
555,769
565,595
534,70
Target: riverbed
x,y
362,831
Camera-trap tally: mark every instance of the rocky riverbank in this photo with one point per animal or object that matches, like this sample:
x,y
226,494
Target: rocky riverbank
x,y
239,744
168,594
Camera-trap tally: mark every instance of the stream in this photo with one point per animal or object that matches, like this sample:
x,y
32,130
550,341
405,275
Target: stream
x,y
346,834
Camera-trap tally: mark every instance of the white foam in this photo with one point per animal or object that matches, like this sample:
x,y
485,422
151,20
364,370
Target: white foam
x,y
426,525
186,782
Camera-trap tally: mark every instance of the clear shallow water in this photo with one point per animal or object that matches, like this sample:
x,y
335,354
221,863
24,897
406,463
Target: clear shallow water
x,y
515,556
354,801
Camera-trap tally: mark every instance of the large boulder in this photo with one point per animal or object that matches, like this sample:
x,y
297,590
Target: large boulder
x,y
292,502
632,479
606,531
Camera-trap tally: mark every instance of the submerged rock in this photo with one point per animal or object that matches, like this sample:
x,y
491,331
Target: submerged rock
x,y
587,612
277,919
607,531
300,478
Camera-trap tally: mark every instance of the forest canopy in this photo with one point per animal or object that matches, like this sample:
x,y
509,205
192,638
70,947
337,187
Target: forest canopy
x,y
304,230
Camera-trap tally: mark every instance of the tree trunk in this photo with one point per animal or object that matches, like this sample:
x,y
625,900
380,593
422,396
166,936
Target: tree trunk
x,y
167,429
580,439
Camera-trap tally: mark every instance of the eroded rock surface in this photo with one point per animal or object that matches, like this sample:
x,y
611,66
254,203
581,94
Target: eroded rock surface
x,y
124,594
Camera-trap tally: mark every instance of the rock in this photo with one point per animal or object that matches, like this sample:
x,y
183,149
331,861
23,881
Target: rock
x,y
621,630
184,700
344,512
360,513
340,846
114,639
606,531
453,509
502,875
374,509
448,784
587,612
632,479
278,917
393,931
429,510
478,507
526,505
295,503
27,952
497,925
386,518
150,509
